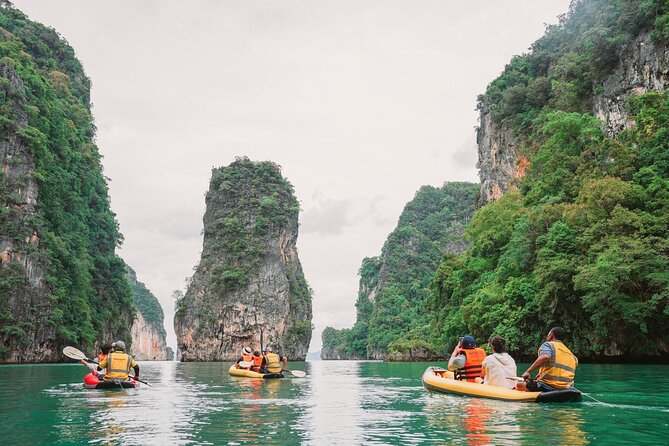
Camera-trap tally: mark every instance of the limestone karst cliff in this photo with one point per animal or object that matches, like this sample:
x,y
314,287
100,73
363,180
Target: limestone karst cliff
x,y
249,285
573,165
60,279
635,60
391,321
148,333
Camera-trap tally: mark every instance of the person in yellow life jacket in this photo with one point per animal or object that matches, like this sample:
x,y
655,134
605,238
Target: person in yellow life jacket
x,y
104,351
257,359
118,364
466,359
556,364
247,356
272,363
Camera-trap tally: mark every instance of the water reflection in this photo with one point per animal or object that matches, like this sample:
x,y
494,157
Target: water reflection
x,y
479,421
338,403
334,413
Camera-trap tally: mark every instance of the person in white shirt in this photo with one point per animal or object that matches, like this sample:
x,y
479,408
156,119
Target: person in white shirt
x,y
499,368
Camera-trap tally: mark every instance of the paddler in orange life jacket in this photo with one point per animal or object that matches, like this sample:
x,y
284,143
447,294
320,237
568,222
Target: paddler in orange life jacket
x,y
118,363
257,359
272,363
466,360
556,364
104,351
247,356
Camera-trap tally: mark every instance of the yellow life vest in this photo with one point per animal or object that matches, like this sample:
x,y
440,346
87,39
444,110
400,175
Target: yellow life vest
x,y
118,365
273,363
560,372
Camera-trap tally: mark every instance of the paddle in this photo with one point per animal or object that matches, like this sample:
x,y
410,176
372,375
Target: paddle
x,y
296,373
244,364
73,353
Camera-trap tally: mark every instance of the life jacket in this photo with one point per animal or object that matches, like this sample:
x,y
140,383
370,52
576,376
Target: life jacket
x,y
102,357
472,367
273,363
560,372
257,361
118,365
247,358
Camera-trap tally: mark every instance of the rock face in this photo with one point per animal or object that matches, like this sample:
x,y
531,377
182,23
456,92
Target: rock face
x,y
27,295
249,287
148,333
497,157
61,282
148,344
643,67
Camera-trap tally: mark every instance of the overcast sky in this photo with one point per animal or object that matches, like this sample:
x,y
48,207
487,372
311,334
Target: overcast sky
x,y
360,102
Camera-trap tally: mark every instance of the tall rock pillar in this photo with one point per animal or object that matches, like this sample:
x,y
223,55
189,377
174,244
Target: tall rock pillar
x,y
249,286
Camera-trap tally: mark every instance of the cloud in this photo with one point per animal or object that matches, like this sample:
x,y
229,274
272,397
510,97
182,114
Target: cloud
x,y
328,217
467,154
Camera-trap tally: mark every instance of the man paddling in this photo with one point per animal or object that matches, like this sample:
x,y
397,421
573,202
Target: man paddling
x,y
556,364
118,364
272,363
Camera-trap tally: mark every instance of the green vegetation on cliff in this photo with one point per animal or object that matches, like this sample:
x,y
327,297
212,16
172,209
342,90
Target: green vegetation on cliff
x,y
254,199
147,304
584,242
44,106
395,286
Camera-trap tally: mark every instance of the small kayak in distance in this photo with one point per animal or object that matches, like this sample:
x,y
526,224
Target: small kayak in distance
x,y
246,373
437,379
91,381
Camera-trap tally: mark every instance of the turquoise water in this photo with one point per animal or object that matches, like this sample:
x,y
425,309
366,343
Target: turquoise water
x,y
339,402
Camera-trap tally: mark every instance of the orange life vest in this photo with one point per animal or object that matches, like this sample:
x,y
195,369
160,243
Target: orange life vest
x,y
247,358
472,368
257,361
101,357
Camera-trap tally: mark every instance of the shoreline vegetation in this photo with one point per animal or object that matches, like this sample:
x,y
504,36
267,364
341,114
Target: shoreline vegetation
x,y
580,235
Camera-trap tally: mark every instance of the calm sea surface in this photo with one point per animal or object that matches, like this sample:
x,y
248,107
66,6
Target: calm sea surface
x,y
339,402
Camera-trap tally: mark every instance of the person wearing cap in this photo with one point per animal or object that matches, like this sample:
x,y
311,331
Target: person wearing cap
x,y
556,364
247,356
118,364
466,360
272,363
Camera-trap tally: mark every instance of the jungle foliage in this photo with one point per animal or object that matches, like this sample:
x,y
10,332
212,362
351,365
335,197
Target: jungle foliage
x,y
394,287
146,303
583,242
44,104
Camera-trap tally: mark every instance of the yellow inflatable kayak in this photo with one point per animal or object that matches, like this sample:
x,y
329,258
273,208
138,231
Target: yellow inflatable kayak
x,y
436,379
246,373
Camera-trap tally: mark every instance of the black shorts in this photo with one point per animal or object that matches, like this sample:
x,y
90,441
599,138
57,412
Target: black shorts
x,y
538,386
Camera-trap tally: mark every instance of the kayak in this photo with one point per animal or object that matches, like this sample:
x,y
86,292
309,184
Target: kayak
x,y
437,379
91,381
246,373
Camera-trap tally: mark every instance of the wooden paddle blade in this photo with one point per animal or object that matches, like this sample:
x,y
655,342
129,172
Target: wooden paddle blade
x,y
245,364
73,353
297,373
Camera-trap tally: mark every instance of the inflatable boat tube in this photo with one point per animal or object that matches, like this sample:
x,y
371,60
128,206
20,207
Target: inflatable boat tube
x,y
91,381
246,373
437,379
